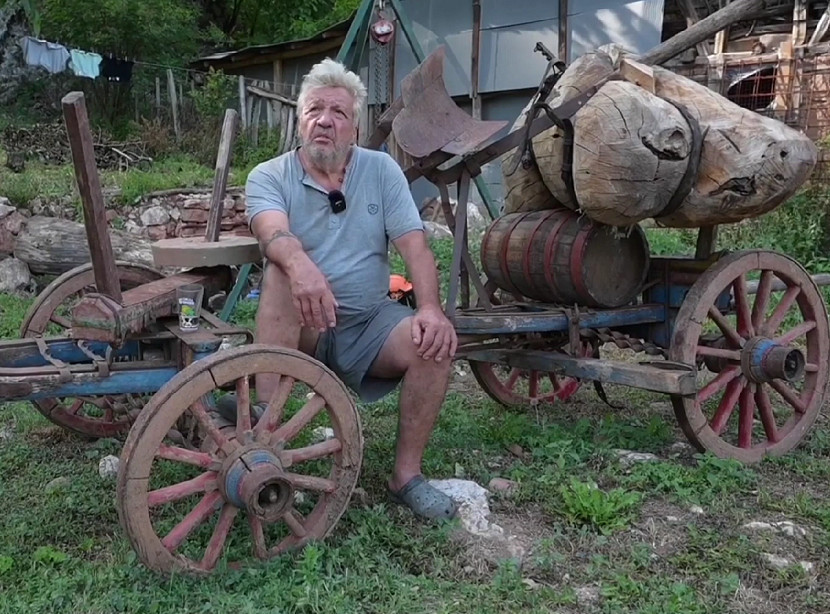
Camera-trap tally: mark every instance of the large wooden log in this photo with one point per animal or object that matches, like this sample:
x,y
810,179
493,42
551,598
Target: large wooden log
x,y
53,245
632,148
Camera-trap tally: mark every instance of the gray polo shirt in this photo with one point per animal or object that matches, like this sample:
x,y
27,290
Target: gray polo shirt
x,y
350,248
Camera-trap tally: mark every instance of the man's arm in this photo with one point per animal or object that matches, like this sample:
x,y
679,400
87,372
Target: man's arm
x,y
310,290
432,332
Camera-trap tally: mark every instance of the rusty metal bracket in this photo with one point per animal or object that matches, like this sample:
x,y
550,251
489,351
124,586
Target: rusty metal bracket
x,y
102,363
64,374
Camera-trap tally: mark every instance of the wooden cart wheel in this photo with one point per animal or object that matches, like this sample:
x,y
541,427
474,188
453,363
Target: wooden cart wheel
x,y
180,504
762,358
521,388
48,316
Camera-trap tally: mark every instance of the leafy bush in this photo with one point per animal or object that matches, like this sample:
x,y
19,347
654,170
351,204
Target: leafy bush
x,y
584,503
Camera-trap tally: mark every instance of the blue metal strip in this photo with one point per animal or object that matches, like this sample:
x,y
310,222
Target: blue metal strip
x,y
64,350
124,382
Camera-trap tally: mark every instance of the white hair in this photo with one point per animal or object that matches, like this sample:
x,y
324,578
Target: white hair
x,y
330,73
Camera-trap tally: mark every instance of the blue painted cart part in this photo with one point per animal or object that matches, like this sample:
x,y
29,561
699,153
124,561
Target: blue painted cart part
x,y
242,468
553,320
25,353
88,383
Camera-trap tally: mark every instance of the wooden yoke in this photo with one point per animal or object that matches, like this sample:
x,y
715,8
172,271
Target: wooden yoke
x,y
89,186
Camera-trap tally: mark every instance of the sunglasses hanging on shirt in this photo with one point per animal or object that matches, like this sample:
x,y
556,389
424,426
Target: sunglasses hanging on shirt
x,y
337,201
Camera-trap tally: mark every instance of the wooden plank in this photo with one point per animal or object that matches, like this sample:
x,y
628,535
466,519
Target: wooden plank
x,y
707,240
290,127
659,376
258,102
242,103
158,96
564,35
220,176
228,249
98,318
271,95
92,199
174,103
476,51
799,22
687,8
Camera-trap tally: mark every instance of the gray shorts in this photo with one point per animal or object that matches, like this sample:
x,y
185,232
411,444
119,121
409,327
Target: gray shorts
x,y
352,346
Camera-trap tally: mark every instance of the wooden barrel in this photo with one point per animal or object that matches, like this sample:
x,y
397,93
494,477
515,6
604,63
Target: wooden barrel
x,y
558,256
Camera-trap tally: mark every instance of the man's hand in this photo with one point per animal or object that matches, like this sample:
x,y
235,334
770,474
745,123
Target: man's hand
x,y
312,296
434,334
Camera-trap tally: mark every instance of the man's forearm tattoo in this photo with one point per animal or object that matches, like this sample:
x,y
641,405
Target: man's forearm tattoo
x,y
279,234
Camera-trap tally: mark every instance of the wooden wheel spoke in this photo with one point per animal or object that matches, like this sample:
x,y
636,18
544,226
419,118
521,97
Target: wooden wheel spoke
x,y
746,417
200,413
76,406
705,350
309,482
533,385
789,395
811,367
514,376
767,414
219,536
198,515
174,492
189,457
554,380
295,522
61,321
276,406
312,452
723,378
726,405
243,406
300,420
258,537
796,332
780,312
725,327
759,309
745,328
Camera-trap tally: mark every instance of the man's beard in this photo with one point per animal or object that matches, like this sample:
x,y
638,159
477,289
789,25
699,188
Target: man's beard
x,y
329,160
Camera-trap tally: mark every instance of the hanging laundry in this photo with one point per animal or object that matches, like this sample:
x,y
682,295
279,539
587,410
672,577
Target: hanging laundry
x,y
51,56
84,63
113,69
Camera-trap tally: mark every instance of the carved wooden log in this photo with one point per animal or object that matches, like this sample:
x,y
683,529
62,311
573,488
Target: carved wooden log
x,y
632,147
54,245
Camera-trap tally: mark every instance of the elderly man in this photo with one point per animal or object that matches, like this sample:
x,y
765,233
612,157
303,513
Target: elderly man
x,y
324,215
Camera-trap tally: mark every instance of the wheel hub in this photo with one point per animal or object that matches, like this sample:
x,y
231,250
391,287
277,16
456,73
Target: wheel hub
x,y
763,360
253,479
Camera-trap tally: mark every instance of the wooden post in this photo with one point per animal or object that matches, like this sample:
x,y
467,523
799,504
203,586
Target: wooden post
x,y
158,96
707,241
821,28
174,103
563,31
220,177
89,187
242,102
799,23
255,119
474,95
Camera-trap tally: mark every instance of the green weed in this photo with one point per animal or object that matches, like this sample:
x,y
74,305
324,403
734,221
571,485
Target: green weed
x,y
585,503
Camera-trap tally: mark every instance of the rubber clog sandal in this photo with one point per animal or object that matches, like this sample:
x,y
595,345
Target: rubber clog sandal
x,y
226,407
424,500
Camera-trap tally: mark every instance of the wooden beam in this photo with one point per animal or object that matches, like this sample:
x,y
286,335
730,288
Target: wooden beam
x,y
687,8
563,31
174,104
89,186
271,95
243,103
799,23
277,74
220,176
822,27
474,69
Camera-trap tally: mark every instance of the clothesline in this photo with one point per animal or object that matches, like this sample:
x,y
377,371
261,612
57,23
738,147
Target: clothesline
x,y
56,58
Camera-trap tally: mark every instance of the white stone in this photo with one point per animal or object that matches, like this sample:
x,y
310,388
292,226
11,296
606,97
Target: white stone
x,y
155,216
57,484
174,213
434,230
131,227
628,458
775,561
672,519
108,467
807,566
503,485
473,507
6,433
15,276
680,447
784,527
322,433
5,208
299,498
696,509
587,595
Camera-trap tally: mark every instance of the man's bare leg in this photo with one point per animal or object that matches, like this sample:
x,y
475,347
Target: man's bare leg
x,y
422,394
277,323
